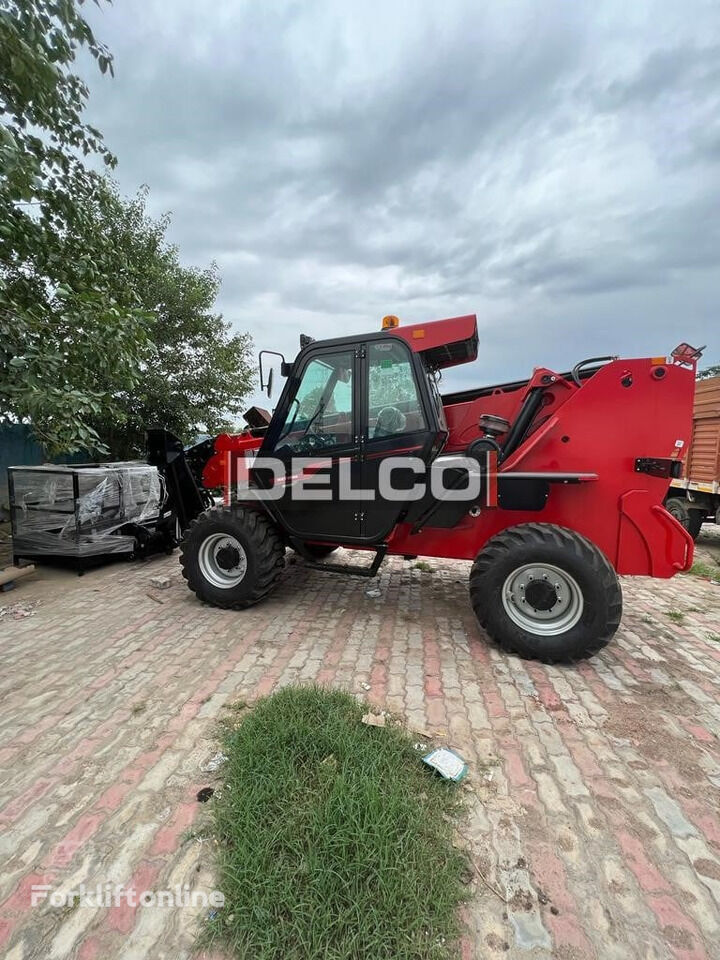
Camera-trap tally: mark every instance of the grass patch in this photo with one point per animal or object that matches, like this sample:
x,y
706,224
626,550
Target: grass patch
x,y
424,566
677,616
334,841
702,569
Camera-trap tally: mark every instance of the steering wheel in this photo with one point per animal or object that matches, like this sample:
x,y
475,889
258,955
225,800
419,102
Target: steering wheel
x,y
315,441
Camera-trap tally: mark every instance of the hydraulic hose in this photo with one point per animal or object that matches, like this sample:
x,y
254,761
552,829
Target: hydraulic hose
x,y
517,431
575,373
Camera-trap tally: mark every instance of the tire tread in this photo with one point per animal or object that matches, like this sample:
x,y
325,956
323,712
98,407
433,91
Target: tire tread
x,y
269,553
534,534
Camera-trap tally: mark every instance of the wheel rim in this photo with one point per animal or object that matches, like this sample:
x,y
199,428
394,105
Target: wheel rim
x,y
543,599
222,560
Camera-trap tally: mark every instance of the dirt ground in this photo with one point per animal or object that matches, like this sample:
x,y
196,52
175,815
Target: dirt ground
x,y
707,547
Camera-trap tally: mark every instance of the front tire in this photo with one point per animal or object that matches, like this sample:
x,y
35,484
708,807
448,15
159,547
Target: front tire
x,y
231,557
546,593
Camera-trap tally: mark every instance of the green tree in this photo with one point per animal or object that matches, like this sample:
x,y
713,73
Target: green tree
x,y
709,372
199,372
63,333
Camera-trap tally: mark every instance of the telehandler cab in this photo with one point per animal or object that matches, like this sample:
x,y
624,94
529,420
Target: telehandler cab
x,y
551,486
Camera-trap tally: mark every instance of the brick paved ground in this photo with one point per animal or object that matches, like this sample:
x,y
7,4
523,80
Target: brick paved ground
x,y
593,790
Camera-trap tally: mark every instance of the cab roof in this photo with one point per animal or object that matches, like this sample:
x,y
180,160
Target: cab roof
x,y
442,343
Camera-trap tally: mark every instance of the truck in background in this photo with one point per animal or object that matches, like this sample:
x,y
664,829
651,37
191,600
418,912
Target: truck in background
x,y
694,498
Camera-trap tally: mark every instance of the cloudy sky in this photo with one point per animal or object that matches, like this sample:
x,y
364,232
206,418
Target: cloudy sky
x,y
553,167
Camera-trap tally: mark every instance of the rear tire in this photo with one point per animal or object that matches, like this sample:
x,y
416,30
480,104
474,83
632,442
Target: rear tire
x,y
546,593
231,557
691,519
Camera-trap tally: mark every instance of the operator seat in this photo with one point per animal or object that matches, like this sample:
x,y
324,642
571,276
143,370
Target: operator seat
x,y
390,420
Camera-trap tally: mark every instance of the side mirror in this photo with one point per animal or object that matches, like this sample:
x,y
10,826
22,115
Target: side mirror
x,y
270,378
266,384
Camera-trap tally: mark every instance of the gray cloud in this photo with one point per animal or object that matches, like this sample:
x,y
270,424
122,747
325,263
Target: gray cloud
x,y
554,168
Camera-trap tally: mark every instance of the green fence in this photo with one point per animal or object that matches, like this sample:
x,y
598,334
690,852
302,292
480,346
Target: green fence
x,y
18,448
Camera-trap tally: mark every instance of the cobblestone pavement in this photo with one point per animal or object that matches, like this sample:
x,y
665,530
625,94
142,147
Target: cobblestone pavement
x,y
593,790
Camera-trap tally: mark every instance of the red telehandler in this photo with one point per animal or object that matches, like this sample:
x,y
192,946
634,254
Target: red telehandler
x,y
569,470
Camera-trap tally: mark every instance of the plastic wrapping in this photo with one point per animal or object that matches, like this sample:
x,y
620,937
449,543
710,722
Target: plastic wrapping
x,y
82,511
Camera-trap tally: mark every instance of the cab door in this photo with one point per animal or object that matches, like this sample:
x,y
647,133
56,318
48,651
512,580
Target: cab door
x,y
319,425
398,420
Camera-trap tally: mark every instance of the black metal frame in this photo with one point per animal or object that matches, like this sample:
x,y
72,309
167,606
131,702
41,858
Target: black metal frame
x,y
347,569
356,344
433,432
166,452
659,467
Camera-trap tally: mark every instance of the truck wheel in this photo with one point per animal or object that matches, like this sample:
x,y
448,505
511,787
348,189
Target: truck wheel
x,y
546,593
691,519
231,556
695,523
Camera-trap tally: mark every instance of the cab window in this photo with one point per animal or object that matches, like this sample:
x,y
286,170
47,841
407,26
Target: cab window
x,y
433,380
393,401
321,414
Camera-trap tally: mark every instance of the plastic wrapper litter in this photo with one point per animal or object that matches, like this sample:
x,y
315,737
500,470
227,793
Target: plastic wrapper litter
x,y
82,511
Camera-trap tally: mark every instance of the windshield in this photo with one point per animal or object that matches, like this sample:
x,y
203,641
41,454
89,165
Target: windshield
x,y
320,414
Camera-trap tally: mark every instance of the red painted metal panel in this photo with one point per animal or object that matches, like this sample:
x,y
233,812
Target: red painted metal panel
x,y
221,469
601,427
